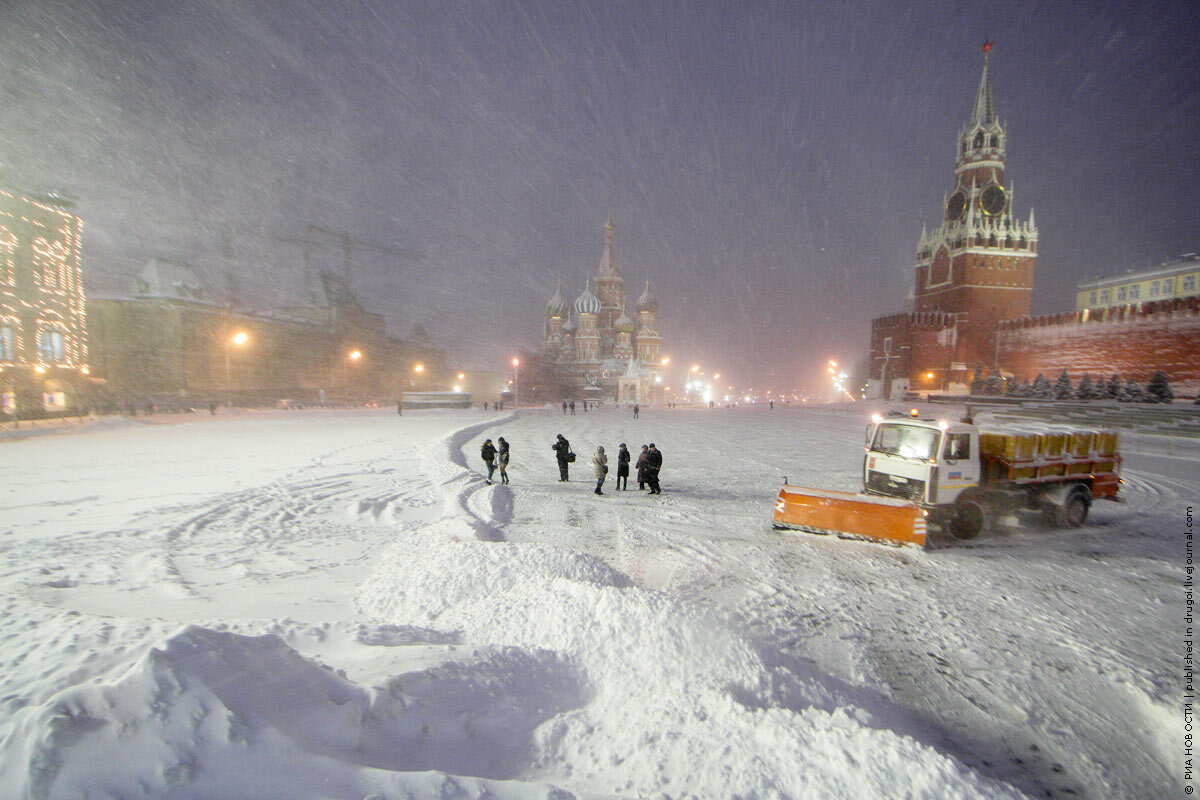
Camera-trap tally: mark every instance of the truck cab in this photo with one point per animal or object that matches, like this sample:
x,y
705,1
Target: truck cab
x,y
930,462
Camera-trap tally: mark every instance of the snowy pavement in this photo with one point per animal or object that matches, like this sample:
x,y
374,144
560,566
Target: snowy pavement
x,y
334,604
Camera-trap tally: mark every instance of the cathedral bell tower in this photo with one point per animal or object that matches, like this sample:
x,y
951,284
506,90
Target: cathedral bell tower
x,y
977,265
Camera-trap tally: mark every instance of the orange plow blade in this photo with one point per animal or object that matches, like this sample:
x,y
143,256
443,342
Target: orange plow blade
x,y
856,516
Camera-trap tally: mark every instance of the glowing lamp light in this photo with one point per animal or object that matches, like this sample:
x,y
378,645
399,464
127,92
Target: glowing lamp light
x,y
516,362
929,375
462,376
39,369
695,367
912,412
877,418
355,355
85,370
240,338
457,388
419,368
942,424
666,360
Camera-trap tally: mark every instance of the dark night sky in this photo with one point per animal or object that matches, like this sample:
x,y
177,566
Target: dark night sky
x,y
769,164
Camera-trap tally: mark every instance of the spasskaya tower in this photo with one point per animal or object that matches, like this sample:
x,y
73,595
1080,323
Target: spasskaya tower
x,y
973,270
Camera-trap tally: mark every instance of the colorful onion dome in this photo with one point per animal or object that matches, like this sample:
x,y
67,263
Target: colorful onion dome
x,y
647,302
587,303
558,307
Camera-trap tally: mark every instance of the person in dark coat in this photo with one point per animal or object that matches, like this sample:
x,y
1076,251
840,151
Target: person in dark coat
x,y
572,408
562,449
564,408
643,457
653,465
488,452
636,409
502,455
622,467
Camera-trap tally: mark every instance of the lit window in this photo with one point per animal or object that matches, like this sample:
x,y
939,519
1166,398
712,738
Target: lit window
x,y
887,344
1169,286
1091,298
1154,288
1189,283
1104,297
8,344
50,346
1120,293
1135,291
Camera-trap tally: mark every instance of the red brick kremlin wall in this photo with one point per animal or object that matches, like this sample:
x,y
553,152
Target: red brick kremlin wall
x,y
1131,341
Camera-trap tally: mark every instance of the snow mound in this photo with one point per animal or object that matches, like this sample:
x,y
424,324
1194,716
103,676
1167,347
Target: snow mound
x,y
742,723
213,714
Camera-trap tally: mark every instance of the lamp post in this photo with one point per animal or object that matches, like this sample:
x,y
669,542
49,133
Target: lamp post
x,y
353,355
240,338
516,382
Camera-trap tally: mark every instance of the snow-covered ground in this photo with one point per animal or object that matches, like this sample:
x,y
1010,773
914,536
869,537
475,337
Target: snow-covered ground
x,y
334,605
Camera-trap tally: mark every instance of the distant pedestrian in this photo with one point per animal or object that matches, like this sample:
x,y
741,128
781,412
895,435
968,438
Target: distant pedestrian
x,y
572,408
636,410
400,408
643,457
212,407
485,405
654,461
562,452
564,408
600,467
585,406
622,468
502,455
771,404
488,453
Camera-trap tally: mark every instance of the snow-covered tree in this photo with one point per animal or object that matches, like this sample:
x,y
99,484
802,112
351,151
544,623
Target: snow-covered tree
x,y
1131,392
1085,388
1062,387
1041,387
1113,390
994,385
1026,390
1158,390
1013,389
977,381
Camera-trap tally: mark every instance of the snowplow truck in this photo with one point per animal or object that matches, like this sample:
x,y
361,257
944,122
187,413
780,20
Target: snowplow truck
x,y
959,477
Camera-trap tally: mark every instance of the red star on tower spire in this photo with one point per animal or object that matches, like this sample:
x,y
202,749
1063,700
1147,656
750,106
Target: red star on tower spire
x,y
988,44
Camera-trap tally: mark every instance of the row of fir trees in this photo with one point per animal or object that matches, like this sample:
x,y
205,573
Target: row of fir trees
x,y
1157,390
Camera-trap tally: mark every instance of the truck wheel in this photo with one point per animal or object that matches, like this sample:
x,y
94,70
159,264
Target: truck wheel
x,y
968,520
1074,509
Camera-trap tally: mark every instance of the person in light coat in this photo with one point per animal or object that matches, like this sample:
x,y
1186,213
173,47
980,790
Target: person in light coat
x,y
600,468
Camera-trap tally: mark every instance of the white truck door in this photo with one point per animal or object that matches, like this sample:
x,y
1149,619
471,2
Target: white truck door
x,y
959,465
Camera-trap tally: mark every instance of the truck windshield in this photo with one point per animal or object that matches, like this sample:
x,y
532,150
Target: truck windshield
x,y
906,440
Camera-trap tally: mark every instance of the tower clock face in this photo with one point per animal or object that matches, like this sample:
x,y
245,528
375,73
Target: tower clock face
x,y
956,206
993,200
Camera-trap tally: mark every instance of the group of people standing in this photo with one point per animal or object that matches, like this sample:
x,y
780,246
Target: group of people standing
x,y
648,465
493,457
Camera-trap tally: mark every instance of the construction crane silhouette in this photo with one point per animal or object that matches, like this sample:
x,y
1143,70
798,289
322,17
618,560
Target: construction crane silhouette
x,y
349,242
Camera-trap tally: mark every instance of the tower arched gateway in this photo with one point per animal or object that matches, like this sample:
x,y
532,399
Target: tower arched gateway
x,y
603,337
972,271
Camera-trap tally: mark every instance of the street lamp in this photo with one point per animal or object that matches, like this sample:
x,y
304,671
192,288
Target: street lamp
x,y
516,381
240,338
353,355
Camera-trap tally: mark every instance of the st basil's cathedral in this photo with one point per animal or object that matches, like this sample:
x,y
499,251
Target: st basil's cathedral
x,y
608,350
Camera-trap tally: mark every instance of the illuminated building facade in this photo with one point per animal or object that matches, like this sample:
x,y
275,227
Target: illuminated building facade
x,y
169,345
43,335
